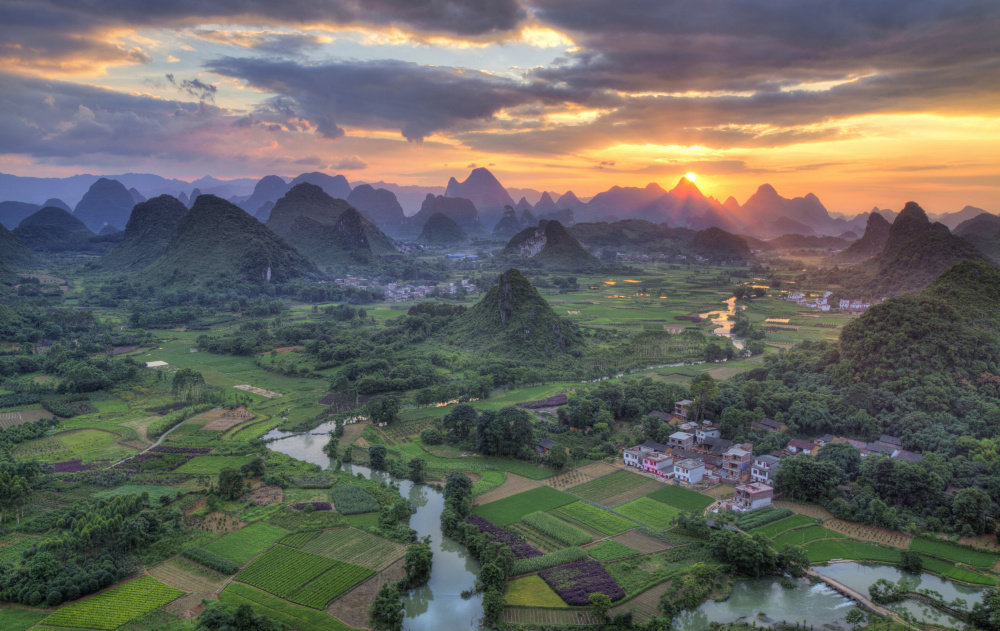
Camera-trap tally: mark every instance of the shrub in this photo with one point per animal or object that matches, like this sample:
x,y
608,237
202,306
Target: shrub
x,y
557,529
211,559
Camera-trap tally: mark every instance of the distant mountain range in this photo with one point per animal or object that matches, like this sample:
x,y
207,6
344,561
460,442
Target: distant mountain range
x,y
764,215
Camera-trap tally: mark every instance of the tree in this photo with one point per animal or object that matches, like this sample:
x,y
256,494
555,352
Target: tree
x,y
330,448
806,478
382,410
230,483
418,470
188,384
254,469
459,423
704,390
794,559
854,617
491,576
376,457
844,455
599,606
418,563
911,562
558,458
493,604
971,507
386,612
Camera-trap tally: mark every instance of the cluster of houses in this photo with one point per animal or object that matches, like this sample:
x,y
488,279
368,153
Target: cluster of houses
x,y
696,453
825,304
400,292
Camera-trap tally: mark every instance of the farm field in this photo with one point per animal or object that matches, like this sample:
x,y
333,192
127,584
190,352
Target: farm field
x,y
282,571
488,480
556,529
355,546
212,465
188,576
932,564
566,479
115,607
512,485
87,444
616,488
532,591
802,536
881,536
11,547
654,514
294,616
593,519
154,490
609,550
681,498
330,585
641,542
243,545
822,551
511,509
775,528
953,553
20,619
810,510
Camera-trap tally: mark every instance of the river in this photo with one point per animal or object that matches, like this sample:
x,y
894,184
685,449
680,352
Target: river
x,y
723,322
437,605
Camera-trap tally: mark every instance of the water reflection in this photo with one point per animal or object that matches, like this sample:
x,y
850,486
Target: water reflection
x,y
722,319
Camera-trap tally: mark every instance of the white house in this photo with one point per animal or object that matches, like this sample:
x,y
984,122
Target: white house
x,y
690,471
706,431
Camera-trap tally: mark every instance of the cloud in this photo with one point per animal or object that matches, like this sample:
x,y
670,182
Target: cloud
x,y
194,87
349,163
385,94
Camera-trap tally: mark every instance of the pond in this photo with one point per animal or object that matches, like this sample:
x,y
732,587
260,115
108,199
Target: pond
x,y
817,604
437,605
860,577
722,319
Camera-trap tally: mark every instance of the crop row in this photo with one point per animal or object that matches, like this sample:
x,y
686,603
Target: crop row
x,y
557,529
576,581
243,545
609,550
211,559
330,585
283,570
654,514
759,517
114,608
594,518
552,559
353,500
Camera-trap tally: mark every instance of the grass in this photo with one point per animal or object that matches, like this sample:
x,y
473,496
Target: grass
x,y
489,481
681,498
557,529
293,616
948,570
212,465
610,551
646,511
593,518
513,508
953,553
775,528
115,607
802,536
282,571
606,487
22,619
246,543
154,490
827,550
532,591
12,546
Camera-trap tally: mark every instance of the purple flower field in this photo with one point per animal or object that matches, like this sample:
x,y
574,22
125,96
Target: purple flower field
x,y
320,506
517,545
575,582
71,466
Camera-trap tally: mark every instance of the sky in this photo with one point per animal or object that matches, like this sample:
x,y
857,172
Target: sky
x,y
862,103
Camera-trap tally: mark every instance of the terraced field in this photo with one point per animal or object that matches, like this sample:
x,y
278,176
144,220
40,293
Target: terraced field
x,y
243,545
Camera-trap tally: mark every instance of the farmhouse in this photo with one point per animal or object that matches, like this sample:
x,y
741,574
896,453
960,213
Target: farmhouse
x,y
681,408
706,431
690,471
764,468
735,463
753,496
682,440
633,455
545,446
766,425
658,464
796,446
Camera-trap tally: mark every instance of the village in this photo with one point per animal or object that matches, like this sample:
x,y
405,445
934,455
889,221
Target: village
x,y
824,303
400,292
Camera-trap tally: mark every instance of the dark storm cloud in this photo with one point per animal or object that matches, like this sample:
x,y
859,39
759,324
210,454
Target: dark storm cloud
x,y
417,100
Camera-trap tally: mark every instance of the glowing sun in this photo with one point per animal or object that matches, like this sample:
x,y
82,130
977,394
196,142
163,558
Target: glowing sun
x,y
691,176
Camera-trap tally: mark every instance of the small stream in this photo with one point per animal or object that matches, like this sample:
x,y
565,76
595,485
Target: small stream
x,y
437,605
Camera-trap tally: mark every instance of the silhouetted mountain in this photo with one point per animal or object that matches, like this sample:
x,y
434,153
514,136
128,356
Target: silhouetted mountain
x,y
528,218
108,230
804,242
327,230
218,244
952,220
410,197
13,213
545,204
55,202
982,231
194,195
552,247
462,211
569,200
766,205
634,236
270,188
514,320
441,230
508,225
619,202
850,235
522,205
485,192
715,244
183,198
148,231
779,226
335,186
263,213
915,253
52,230
52,216
380,205
564,216
870,244
105,202
14,255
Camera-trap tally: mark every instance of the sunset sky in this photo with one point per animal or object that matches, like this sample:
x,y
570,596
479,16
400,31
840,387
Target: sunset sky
x,y
863,103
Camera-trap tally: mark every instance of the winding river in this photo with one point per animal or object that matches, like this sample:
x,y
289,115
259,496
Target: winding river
x,y
437,605
723,321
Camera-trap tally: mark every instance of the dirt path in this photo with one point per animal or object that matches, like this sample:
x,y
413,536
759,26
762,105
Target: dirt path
x,y
158,441
512,486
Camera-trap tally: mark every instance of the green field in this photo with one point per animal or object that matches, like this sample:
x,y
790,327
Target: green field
x,y
293,616
652,513
775,528
88,445
681,498
488,481
610,551
802,536
244,544
354,546
22,619
593,518
513,508
823,551
556,529
115,607
532,591
12,546
948,570
330,585
953,553
154,490
282,570
212,465
608,486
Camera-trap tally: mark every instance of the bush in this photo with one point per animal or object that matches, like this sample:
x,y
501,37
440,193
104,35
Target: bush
x,y
760,517
211,559
431,436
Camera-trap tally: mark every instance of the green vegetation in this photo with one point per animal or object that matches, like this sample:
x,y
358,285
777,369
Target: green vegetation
x,y
114,608
488,481
532,591
593,518
20,619
354,546
827,550
282,571
608,486
681,498
552,559
610,551
353,500
557,529
243,545
953,553
802,536
512,509
651,513
212,465
774,529
761,516
294,616
211,559
330,585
